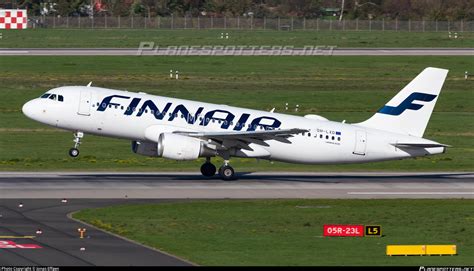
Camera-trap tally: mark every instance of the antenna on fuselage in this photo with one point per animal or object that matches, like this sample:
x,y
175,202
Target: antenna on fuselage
x,y
90,83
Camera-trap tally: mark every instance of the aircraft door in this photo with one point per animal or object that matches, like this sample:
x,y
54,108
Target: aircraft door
x,y
85,103
360,143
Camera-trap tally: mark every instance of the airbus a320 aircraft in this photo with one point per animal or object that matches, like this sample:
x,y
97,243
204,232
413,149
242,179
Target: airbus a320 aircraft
x,y
186,130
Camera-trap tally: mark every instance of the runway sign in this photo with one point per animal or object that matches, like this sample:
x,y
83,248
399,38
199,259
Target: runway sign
x,y
11,244
343,230
373,230
13,19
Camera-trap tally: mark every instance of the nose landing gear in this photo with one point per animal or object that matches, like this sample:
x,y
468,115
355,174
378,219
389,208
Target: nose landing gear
x,y
74,152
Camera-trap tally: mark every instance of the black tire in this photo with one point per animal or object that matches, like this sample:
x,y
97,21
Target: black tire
x,y
73,152
227,173
208,170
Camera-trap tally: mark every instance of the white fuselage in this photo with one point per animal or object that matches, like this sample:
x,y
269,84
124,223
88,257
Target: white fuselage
x,y
134,116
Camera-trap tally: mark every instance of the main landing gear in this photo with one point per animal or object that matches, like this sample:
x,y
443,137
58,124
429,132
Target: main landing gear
x,y
208,169
226,172
74,152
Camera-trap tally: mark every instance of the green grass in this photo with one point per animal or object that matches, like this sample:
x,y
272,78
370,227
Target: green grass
x,y
131,38
289,232
340,88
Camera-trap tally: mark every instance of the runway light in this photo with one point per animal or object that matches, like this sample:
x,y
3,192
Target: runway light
x,y
82,249
81,232
64,200
39,231
20,205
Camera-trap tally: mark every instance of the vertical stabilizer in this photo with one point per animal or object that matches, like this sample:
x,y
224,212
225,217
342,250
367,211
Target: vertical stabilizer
x,y
410,110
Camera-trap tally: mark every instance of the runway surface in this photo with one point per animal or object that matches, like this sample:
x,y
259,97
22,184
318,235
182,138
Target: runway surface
x,y
235,50
250,185
59,243
32,201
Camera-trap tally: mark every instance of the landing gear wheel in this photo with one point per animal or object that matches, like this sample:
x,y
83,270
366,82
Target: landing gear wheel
x,y
227,173
208,169
73,152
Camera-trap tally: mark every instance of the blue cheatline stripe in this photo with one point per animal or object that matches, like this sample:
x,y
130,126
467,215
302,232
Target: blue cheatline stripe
x,y
338,133
407,104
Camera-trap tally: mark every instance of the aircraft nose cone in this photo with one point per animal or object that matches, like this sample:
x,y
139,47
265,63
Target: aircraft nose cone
x,y
31,109
27,109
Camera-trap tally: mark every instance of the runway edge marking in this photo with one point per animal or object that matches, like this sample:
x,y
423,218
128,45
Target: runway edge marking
x,y
69,215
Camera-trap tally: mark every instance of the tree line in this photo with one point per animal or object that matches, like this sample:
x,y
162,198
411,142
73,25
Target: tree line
x,y
350,9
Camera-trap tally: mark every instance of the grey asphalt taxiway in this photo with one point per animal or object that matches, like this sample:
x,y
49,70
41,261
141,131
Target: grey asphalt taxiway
x,y
59,243
236,50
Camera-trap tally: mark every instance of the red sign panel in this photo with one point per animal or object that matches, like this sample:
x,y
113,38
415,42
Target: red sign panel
x,y
344,230
11,244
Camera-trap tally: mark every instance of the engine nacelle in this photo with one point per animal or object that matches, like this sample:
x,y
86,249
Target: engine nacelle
x,y
145,148
179,147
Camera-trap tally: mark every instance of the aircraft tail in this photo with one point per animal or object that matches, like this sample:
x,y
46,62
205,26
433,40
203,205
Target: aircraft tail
x,y
410,110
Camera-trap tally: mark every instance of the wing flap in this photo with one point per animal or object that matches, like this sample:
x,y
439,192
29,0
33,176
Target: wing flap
x,y
419,145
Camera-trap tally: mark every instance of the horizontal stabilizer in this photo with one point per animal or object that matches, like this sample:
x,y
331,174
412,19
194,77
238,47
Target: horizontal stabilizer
x,y
419,145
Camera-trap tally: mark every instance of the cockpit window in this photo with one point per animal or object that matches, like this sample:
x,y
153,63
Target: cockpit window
x,y
44,96
60,98
53,97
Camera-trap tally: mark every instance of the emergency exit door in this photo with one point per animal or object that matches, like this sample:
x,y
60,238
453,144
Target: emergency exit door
x,y
85,103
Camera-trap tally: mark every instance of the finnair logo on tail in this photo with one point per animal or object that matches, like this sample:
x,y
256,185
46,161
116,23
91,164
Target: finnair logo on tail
x,y
407,104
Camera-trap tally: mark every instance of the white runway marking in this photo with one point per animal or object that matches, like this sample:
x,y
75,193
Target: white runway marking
x,y
14,52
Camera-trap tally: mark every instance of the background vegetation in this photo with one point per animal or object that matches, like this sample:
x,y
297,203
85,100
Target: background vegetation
x,y
289,232
362,9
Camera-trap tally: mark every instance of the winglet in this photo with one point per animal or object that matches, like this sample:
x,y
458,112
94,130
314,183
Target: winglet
x,y
90,83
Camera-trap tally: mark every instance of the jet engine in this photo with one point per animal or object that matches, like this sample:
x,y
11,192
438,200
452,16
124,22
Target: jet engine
x,y
179,147
173,146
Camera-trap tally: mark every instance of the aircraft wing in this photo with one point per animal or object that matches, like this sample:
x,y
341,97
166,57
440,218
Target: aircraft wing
x,y
226,140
